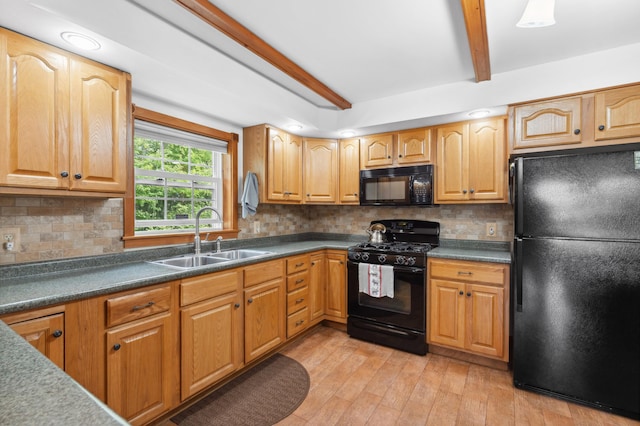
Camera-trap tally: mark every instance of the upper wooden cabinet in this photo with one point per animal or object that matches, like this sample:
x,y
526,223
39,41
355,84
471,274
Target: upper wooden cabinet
x,y
594,118
617,113
400,149
275,157
71,111
321,171
349,173
471,163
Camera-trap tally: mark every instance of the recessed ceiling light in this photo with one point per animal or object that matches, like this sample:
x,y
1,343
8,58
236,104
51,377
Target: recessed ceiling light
x,y
347,133
294,127
538,13
80,41
479,113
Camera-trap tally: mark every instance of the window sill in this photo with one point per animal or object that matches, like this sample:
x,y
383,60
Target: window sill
x,y
170,239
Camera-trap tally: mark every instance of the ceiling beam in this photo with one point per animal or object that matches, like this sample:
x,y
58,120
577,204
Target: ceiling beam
x,y
236,31
476,23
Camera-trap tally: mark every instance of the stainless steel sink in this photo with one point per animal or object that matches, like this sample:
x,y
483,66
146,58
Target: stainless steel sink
x,y
238,254
190,261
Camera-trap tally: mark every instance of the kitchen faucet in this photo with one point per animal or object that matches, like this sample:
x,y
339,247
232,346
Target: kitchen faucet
x,y
196,238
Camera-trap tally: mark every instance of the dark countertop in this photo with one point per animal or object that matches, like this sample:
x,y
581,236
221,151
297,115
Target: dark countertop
x,y
34,391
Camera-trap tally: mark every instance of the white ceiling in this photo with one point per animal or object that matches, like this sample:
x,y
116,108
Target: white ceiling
x,y
400,63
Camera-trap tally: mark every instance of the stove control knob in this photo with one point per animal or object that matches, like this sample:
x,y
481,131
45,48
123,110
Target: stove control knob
x,y
365,256
382,258
400,260
410,261
355,256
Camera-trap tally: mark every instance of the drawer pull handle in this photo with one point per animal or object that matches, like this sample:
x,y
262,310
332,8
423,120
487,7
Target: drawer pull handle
x,y
464,273
299,300
299,264
146,305
300,281
57,333
299,323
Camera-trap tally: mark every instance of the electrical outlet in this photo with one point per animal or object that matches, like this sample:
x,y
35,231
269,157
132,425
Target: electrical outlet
x,y
492,229
10,238
256,226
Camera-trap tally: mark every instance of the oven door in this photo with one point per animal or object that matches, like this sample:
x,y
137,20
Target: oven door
x,y
406,309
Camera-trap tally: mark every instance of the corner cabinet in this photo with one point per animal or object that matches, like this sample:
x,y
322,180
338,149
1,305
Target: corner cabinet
x,y
468,306
471,163
43,329
73,112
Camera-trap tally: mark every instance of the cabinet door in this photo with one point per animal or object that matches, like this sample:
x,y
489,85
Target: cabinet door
x,y
139,369
446,313
320,171
211,347
34,81
617,113
336,295
452,167
548,123
98,155
46,334
293,168
349,176
414,147
376,151
276,181
264,318
317,275
487,160
485,319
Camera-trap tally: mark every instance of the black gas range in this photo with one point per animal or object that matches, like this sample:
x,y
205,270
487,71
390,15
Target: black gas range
x,y
398,321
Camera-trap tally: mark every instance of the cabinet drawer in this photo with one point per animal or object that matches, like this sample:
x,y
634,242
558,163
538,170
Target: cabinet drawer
x,y
297,322
208,286
297,300
297,264
138,305
297,281
488,273
263,272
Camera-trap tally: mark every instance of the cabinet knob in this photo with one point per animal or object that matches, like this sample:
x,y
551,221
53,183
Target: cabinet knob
x,y
461,293
400,155
355,195
77,176
308,195
472,190
464,191
116,347
57,333
64,174
576,132
469,294
601,127
250,300
237,305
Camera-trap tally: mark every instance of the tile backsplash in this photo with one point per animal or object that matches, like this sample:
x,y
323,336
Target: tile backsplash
x,y
60,228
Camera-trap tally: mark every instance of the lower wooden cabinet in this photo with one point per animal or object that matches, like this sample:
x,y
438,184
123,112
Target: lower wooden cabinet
x,y
43,329
211,329
139,364
468,306
336,286
317,285
264,308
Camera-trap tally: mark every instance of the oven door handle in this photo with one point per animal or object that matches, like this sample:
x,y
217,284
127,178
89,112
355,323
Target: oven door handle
x,y
409,269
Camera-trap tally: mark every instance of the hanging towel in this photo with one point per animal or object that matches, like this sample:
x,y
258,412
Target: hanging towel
x,y
250,198
376,280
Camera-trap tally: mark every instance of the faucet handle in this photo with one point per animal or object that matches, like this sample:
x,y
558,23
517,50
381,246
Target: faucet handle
x,y
219,238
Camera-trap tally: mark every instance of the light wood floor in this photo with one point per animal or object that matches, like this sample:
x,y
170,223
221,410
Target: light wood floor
x,y
358,383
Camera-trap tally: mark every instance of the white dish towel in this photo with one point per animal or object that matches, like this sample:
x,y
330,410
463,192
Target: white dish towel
x,y
249,200
375,280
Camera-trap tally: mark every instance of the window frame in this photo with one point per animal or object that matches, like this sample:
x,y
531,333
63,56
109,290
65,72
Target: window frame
x,y
229,183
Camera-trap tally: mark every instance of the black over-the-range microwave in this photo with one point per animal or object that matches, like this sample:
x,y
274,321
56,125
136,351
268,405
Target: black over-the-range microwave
x,y
400,186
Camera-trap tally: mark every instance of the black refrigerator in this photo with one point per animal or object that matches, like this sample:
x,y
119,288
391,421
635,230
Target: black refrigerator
x,y
576,283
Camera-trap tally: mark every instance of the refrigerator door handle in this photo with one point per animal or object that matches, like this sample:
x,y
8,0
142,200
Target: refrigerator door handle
x,y
518,195
518,277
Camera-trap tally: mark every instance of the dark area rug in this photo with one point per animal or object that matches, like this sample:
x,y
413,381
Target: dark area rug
x,y
264,395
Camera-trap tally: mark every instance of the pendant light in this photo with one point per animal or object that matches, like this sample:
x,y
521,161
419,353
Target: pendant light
x,y
538,13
